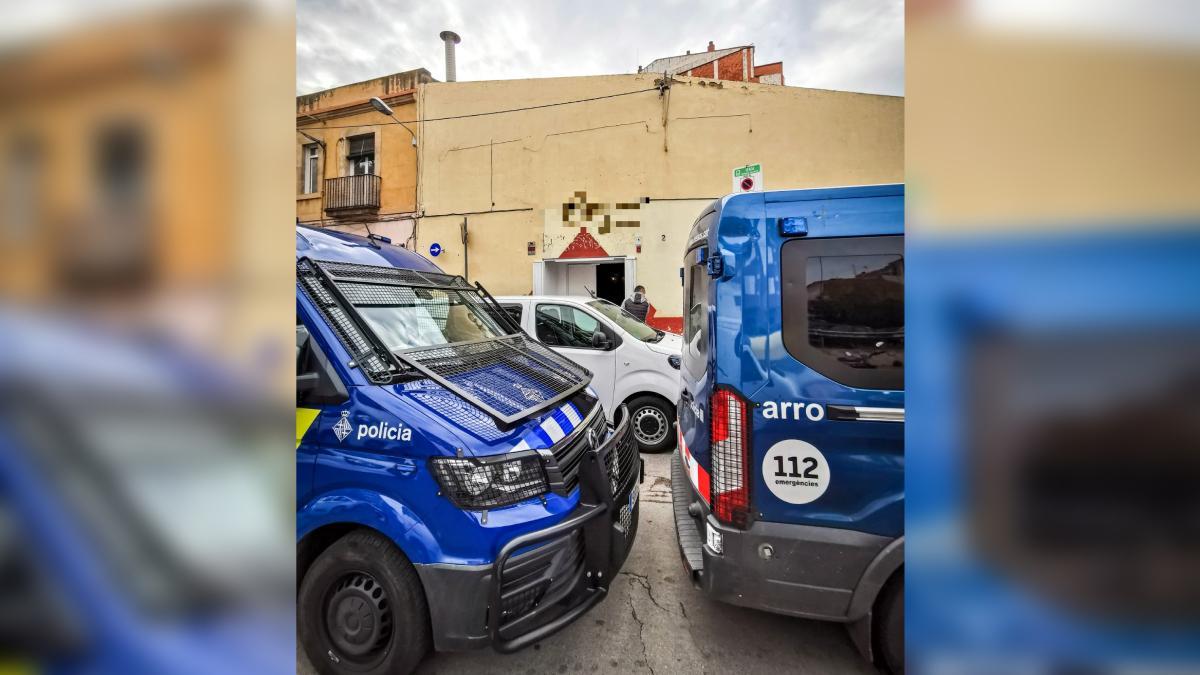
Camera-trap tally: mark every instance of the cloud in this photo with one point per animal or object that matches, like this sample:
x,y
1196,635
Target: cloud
x,y
850,45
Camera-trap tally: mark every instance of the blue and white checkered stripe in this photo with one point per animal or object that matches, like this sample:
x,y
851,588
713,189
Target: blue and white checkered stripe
x,y
557,426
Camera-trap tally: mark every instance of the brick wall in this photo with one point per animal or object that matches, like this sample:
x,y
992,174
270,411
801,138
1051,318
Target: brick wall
x,y
729,67
737,66
769,73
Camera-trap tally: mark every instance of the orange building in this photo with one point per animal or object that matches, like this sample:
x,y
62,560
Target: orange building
x,y
356,168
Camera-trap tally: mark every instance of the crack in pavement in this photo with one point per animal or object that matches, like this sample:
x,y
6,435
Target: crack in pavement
x,y
641,635
644,582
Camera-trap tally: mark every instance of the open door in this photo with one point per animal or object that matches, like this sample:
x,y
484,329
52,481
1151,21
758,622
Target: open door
x,y
539,277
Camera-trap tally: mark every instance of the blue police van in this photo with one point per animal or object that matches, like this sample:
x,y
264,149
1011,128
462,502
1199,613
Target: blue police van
x,y
114,557
458,485
788,484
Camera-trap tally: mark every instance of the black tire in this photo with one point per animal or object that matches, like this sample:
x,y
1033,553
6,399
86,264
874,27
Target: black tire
x,y
889,625
362,609
645,412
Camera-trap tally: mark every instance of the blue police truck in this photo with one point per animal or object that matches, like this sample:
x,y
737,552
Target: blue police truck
x,y
788,485
458,485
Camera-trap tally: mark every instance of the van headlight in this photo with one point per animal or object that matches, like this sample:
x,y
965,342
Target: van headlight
x,y
490,483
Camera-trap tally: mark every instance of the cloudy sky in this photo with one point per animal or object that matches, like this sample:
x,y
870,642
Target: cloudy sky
x,y
850,45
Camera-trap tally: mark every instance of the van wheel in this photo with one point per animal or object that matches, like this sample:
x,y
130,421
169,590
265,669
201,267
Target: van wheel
x,y
362,609
890,625
653,423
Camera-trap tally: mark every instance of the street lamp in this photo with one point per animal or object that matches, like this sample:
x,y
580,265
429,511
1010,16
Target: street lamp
x,y
378,104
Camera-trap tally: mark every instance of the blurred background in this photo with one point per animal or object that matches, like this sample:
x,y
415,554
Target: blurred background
x,y
1053,434
146,211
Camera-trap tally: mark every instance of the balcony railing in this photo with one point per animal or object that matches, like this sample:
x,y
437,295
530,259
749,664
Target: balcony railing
x,y
352,193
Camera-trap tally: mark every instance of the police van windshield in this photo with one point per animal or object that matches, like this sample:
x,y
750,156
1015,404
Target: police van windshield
x,y
626,321
427,317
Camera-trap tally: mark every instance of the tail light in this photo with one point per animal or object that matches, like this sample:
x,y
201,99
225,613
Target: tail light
x,y
730,434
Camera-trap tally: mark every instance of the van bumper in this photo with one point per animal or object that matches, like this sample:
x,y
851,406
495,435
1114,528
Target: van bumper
x,y
797,570
522,598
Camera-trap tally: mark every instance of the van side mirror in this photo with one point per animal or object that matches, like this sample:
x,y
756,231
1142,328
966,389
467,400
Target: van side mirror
x,y
600,340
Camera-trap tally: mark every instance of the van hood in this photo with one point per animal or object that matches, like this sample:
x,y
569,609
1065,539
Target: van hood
x,y
670,345
463,425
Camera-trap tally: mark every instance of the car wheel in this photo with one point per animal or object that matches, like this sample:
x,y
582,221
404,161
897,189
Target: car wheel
x,y
362,608
890,626
653,423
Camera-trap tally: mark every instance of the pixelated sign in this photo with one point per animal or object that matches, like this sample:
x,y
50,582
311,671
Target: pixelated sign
x,y
579,211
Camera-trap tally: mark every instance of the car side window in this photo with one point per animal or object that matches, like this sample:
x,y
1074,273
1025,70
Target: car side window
x,y
514,311
695,327
316,381
563,326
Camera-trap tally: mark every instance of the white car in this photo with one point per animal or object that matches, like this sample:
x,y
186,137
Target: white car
x,y
631,363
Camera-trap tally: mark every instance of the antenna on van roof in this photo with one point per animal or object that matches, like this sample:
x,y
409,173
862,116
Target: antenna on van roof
x,y
590,292
371,237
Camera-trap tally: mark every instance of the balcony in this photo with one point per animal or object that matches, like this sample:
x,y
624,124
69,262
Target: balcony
x,y
352,196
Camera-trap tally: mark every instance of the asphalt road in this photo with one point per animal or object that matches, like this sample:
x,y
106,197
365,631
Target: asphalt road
x,y
654,622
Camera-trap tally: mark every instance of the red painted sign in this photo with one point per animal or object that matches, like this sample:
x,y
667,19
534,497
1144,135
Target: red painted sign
x,y
584,246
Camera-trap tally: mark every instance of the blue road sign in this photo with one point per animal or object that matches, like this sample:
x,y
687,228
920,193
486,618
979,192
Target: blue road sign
x,y
435,249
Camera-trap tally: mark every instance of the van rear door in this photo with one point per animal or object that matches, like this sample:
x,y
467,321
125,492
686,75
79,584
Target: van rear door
x,y
828,438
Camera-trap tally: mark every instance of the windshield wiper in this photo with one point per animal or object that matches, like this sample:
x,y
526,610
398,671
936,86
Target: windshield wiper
x,y
658,336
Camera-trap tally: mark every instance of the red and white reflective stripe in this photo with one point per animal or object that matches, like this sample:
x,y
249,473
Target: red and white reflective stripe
x,y
696,473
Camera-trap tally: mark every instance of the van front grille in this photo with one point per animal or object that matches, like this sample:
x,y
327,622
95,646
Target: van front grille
x,y
570,451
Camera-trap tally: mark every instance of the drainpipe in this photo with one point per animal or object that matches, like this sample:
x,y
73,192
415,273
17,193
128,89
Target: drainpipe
x,y
466,249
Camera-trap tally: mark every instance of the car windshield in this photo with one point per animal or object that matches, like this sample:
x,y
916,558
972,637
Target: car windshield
x,y
626,321
426,317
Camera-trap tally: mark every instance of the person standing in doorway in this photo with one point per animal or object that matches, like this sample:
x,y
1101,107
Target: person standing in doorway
x,y
637,304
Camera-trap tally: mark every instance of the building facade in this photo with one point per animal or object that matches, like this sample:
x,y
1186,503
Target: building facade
x,y
136,183
356,168
599,196
733,64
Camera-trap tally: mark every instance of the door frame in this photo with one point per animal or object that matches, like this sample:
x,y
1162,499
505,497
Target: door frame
x,y
546,283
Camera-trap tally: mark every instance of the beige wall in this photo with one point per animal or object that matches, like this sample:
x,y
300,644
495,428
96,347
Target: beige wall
x,y
510,174
1043,133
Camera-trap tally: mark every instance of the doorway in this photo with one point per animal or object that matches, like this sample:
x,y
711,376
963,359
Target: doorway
x,y
610,278
610,282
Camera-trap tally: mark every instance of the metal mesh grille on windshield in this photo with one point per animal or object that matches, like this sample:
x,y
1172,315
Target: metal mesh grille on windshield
x,y
511,376
508,377
341,271
352,337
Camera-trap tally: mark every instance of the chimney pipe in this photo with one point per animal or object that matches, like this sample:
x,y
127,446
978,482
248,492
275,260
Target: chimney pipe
x,y
450,38
711,46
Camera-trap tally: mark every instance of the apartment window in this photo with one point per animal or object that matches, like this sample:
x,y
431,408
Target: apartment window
x,y
122,167
21,192
312,168
360,154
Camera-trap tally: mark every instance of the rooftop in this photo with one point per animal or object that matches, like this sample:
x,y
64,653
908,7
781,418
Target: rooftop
x,y
673,65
